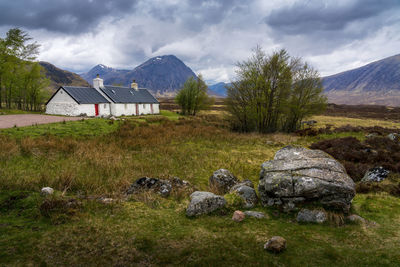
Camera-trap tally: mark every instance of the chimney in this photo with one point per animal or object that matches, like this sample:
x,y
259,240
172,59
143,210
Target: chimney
x,y
134,85
98,82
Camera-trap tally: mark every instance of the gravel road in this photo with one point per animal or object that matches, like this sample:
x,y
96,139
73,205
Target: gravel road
x,y
9,121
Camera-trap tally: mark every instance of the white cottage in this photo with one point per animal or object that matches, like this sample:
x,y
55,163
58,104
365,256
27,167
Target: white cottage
x,y
102,100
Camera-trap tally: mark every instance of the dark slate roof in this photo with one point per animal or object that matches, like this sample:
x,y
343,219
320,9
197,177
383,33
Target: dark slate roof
x,y
85,95
128,95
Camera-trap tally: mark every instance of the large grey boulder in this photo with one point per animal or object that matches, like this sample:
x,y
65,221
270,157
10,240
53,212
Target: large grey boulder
x,y
376,174
203,203
223,180
298,174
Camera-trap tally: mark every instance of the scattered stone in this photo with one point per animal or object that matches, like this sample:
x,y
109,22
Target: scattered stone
x,y
371,135
394,137
376,174
160,186
203,203
354,218
106,200
223,180
47,191
238,216
311,216
276,244
248,194
298,174
244,182
255,214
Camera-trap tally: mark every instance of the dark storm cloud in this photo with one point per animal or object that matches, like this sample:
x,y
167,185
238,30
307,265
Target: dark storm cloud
x,y
311,16
66,16
195,14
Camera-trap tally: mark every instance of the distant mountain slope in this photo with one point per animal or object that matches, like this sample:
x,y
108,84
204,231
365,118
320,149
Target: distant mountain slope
x,y
60,77
219,88
375,83
109,75
163,75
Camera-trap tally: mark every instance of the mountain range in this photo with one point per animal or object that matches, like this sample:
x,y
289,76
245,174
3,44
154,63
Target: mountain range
x,y
375,83
162,75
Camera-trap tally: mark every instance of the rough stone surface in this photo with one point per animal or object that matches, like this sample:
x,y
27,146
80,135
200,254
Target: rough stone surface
x,y
356,219
47,191
275,244
255,214
163,187
238,216
244,182
377,174
298,174
223,180
204,203
311,216
248,194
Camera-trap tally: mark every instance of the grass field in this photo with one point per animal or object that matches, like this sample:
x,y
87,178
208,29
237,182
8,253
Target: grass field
x,y
84,160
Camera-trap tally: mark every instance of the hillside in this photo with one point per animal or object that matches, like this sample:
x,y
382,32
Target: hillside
x,y
60,77
162,75
219,88
376,83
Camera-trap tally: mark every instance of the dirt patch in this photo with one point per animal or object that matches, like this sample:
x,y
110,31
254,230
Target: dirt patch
x,y
20,120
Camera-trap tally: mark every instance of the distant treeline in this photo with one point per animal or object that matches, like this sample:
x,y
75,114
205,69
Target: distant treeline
x,y
21,79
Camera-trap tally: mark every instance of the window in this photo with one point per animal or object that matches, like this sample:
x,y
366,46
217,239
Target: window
x,y
126,106
61,92
105,106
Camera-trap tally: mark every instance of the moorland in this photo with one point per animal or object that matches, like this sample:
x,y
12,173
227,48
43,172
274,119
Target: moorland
x,y
92,159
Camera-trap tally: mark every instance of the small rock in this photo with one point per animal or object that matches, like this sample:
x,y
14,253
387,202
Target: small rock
x,y
238,216
163,187
354,218
276,244
311,216
394,137
376,174
255,214
248,194
223,180
47,191
204,203
371,135
106,200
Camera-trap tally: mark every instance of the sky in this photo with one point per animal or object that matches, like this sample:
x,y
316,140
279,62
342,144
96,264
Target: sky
x,y
208,36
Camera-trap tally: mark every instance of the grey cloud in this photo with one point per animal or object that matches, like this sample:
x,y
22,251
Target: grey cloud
x,y
310,16
66,16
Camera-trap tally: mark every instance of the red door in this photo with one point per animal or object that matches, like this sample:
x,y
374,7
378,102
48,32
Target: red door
x,y
137,109
96,109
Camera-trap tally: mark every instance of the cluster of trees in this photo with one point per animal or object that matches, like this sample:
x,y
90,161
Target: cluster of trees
x,y
193,96
21,79
274,93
